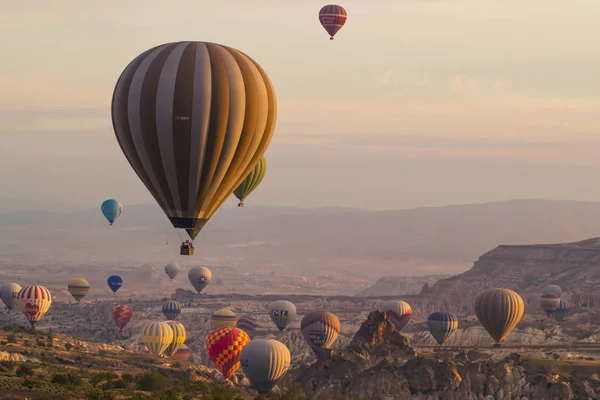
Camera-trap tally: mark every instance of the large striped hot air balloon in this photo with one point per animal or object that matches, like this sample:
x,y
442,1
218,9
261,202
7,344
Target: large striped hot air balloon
x,y
111,209
282,313
333,18
78,288
320,329
398,311
499,311
182,354
9,292
179,336
172,270
251,182
223,317
193,119
264,362
121,315
34,301
157,337
441,326
562,311
199,277
224,346
171,309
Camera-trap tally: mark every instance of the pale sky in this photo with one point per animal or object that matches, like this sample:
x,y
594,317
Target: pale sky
x,y
415,103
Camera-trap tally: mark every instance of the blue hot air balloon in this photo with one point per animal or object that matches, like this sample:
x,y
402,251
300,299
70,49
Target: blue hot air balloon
x,y
114,283
111,210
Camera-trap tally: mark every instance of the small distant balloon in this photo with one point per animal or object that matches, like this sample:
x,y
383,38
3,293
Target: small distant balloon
x,y
182,354
282,313
251,182
9,292
172,270
199,277
499,311
398,311
320,329
78,288
121,315
114,283
171,309
333,18
562,311
34,301
441,326
111,209
223,317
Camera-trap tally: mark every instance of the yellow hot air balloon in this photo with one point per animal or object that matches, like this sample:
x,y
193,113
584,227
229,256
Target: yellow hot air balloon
x,y
78,288
251,182
157,336
193,119
223,317
499,311
179,337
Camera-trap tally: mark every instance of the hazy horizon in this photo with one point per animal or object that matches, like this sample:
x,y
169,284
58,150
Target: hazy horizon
x,y
414,104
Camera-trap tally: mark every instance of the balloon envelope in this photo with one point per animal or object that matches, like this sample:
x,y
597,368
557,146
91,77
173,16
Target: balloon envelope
x,y
398,311
78,288
172,270
265,361
34,301
121,315
224,346
247,324
320,329
182,354
441,326
562,310
157,336
9,292
199,277
171,309
553,289
111,209
549,303
193,119
179,336
251,182
114,283
282,313
499,311
333,18
223,317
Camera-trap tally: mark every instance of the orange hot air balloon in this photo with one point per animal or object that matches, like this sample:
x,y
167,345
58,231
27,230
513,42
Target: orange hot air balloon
x,y
121,315
224,346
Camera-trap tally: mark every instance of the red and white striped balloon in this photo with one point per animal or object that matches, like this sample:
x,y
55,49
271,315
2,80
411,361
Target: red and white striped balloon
x,y
34,301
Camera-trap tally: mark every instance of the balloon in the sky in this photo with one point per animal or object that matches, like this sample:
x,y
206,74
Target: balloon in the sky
x,y
398,311
224,346
562,311
114,283
264,362
182,354
172,270
171,309
78,288
549,303
441,326
553,289
111,209
157,336
251,182
179,337
9,292
223,317
193,119
282,312
246,323
332,17
121,315
499,311
199,277
320,329
34,301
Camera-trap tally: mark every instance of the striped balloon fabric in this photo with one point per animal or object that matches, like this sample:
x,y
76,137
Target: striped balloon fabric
x,y
499,311
9,292
171,309
182,354
223,317
34,301
320,329
179,337
441,326
121,315
246,323
78,288
562,311
224,346
333,18
398,311
251,182
157,336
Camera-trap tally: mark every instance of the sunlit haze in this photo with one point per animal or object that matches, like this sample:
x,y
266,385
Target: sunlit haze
x,y
415,103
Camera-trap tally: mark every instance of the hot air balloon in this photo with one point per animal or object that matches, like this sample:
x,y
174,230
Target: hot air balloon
x,y
172,270
264,362
553,289
9,292
199,277
320,329
193,119
34,301
157,336
78,288
111,209
121,315
499,311
251,182
182,354
282,313
332,17
223,317
114,283
549,303
248,324
398,311
441,326
224,346
179,337
171,309
562,311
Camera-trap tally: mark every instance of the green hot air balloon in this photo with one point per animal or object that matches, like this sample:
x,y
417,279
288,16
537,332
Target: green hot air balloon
x,y
499,311
265,361
251,182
